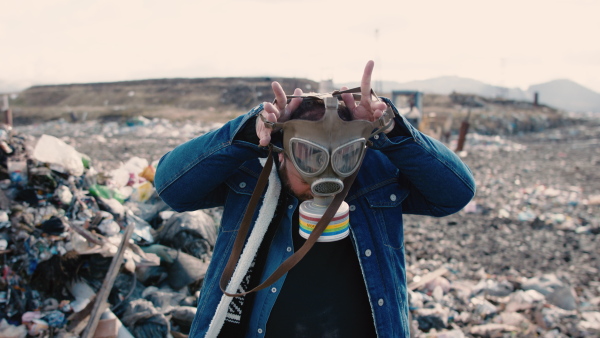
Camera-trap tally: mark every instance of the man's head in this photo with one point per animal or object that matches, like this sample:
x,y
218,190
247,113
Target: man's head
x,y
308,110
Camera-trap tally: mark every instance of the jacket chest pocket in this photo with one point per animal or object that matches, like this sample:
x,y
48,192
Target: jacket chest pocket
x,y
386,205
240,190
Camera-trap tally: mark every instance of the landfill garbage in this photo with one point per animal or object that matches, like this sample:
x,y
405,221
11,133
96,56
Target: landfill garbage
x,y
520,260
144,321
59,155
61,224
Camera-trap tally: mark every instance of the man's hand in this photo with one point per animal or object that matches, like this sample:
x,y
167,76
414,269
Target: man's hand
x,y
280,112
365,109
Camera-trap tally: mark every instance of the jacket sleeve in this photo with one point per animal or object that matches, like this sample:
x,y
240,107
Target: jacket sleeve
x,y
439,182
192,175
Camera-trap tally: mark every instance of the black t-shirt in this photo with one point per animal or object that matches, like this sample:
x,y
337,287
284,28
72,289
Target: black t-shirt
x,y
324,295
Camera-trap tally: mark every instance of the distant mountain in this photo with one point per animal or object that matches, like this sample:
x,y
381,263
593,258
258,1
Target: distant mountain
x,y
568,95
448,84
562,94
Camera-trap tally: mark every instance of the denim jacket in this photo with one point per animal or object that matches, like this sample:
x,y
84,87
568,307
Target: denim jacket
x,y
412,174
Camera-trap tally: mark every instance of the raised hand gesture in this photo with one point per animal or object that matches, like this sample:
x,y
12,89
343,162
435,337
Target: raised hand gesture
x,y
366,109
278,112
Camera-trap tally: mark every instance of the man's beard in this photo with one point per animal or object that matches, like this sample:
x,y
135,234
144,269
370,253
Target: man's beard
x,y
286,185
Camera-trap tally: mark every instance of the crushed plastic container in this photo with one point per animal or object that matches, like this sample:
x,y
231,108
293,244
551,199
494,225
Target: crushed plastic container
x,y
103,191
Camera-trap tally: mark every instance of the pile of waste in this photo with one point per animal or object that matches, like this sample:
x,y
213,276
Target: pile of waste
x,y
88,251
87,245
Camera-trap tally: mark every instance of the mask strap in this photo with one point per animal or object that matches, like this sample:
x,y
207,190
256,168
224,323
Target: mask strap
x,y
383,123
276,126
289,263
238,245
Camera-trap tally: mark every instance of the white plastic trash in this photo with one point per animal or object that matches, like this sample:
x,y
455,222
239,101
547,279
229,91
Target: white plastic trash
x,y
50,149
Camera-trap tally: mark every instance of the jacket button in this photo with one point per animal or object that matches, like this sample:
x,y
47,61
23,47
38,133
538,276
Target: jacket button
x,y
290,206
243,185
352,207
259,330
376,137
273,290
368,253
289,249
380,302
393,197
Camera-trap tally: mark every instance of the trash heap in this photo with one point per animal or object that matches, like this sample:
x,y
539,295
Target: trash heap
x,y
86,242
84,249
510,123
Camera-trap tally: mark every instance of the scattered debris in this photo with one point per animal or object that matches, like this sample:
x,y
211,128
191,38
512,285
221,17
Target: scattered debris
x,y
520,260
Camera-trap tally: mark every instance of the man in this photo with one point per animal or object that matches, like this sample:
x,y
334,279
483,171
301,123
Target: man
x,y
352,287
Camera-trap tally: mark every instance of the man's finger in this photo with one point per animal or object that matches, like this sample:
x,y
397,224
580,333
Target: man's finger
x,y
271,109
378,105
365,84
279,95
270,113
264,138
348,99
264,133
377,113
294,104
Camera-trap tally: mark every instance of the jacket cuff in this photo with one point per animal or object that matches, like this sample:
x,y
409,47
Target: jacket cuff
x,y
402,130
247,132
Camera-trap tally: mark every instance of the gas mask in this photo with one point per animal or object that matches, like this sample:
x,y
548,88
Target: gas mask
x,y
325,153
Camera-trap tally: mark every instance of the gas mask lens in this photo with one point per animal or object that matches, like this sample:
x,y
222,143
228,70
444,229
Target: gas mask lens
x,y
310,158
346,158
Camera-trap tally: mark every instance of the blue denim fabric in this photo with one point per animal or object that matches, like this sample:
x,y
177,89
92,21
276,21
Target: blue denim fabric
x,y
409,174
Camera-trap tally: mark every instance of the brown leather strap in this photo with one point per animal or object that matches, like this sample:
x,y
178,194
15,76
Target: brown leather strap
x,y
289,263
238,245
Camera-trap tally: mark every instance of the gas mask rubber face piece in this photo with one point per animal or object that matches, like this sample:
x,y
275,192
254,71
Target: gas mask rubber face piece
x,y
324,152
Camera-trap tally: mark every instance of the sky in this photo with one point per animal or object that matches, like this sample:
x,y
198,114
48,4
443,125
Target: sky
x,y
511,43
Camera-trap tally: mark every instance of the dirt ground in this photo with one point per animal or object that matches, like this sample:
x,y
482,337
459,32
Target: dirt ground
x,y
536,209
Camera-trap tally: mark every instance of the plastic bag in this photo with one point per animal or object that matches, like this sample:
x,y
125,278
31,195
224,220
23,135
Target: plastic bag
x,y
50,149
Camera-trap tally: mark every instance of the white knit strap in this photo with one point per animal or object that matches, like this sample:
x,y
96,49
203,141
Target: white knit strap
x,y
265,215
